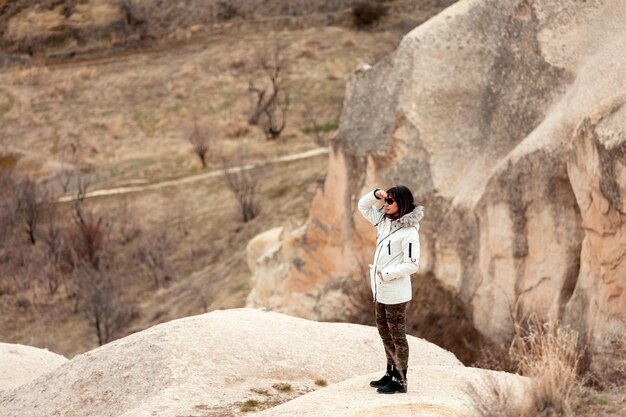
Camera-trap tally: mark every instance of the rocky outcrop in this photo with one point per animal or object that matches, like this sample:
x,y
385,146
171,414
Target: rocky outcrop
x,y
433,391
20,364
506,118
210,365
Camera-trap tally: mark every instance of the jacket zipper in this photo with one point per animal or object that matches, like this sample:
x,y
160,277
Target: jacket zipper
x,y
380,247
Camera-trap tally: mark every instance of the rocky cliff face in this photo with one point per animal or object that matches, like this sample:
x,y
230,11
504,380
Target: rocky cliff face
x,y
508,121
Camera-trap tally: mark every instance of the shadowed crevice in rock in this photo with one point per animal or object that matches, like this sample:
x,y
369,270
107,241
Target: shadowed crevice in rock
x,y
438,315
608,184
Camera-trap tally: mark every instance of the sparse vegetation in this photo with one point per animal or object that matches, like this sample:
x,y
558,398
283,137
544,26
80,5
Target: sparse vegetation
x,y
553,357
367,12
249,405
491,399
282,386
321,382
244,181
260,391
199,139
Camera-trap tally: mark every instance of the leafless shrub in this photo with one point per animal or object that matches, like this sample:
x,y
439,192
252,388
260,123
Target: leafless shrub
x,y
85,239
319,132
103,306
367,12
31,203
153,255
199,139
272,100
243,179
226,11
244,182
132,12
53,239
126,227
138,19
606,365
9,217
65,177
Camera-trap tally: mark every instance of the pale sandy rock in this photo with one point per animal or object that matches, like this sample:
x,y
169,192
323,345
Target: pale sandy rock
x,y
506,119
434,391
262,245
596,171
208,364
20,364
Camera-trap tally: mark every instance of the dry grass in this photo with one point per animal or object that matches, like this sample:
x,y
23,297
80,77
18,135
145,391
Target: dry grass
x,y
491,399
551,355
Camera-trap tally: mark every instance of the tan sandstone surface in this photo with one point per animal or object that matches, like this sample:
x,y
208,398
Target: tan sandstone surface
x,y
433,391
210,365
508,120
20,364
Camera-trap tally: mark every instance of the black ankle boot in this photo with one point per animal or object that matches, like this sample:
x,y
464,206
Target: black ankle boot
x,y
398,383
384,380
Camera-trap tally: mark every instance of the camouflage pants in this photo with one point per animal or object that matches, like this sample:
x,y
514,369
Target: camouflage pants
x,y
391,322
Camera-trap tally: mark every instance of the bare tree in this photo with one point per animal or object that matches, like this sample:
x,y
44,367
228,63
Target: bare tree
x,y
319,132
31,203
87,238
53,239
153,255
243,181
104,306
9,218
199,139
272,100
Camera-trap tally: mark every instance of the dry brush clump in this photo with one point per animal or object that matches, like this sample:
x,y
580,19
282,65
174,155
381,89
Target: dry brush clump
x,y
198,137
491,398
365,13
550,354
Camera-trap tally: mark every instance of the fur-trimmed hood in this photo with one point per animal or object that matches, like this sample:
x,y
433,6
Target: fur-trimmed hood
x,y
411,219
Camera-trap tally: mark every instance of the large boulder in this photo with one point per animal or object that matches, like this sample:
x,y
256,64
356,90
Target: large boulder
x,y
210,365
507,120
20,364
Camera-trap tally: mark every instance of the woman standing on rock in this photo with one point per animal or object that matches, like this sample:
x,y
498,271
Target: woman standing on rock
x,y
396,257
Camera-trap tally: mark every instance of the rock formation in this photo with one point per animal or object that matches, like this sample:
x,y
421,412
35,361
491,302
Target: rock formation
x,y
508,121
20,364
211,365
434,391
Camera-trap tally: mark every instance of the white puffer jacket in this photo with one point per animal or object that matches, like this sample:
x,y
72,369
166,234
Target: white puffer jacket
x,y
397,250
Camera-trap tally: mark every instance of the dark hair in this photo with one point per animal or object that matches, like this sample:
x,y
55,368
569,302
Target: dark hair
x,y
404,199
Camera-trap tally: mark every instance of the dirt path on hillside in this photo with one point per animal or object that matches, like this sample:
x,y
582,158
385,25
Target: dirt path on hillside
x,y
192,178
